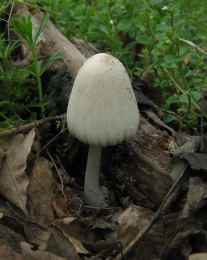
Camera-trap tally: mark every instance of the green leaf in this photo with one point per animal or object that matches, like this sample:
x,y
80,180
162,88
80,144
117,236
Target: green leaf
x,y
160,37
124,25
41,27
170,118
143,39
155,2
171,100
104,29
54,56
162,27
32,69
171,61
24,28
3,103
192,115
197,95
10,48
184,98
33,104
184,50
195,81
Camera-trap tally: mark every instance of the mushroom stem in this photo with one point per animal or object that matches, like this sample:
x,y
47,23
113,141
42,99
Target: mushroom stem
x,y
92,190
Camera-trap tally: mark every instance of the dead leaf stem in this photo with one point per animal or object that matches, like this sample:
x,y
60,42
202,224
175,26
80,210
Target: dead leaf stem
x,y
58,172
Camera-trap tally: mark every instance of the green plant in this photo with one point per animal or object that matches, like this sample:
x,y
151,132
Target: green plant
x,y
144,35
11,80
3,7
19,85
185,88
24,28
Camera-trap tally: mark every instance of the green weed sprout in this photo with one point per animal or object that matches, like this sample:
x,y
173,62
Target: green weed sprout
x,y
24,28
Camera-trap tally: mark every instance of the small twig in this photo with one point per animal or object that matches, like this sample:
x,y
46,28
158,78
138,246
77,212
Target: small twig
x,y
62,167
193,45
149,56
59,174
3,20
27,127
7,21
52,140
158,121
10,13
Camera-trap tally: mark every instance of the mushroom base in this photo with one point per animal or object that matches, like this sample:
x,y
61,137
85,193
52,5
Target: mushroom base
x,y
92,190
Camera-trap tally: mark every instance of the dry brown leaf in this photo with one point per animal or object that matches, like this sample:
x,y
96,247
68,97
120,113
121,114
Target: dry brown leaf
x,y
37,235
13,179
183,243
31,254
80,249
7,253
197,161
11,237
68,220
73,227
131,221
60,245
199,256
60,206
196,197
41,191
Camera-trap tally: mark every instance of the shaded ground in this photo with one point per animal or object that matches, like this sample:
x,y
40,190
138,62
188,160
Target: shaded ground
x,y
43,212
156,207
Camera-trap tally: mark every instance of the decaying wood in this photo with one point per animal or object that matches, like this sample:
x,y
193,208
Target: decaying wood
x,y
50,40
178,177
158,121
87,49
147,167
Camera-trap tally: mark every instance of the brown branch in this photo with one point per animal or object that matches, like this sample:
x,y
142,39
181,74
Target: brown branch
x,y
27,127
193,45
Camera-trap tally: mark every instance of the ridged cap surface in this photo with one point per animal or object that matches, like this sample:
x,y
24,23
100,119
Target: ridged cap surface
x,y
102,108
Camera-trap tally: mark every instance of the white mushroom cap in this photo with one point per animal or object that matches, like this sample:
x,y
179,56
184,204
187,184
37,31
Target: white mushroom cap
x,y
102,109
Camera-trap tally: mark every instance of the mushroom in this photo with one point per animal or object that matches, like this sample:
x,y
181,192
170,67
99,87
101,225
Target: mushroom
x,y
102,111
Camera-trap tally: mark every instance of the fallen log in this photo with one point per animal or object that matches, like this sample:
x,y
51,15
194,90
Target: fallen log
x,y
50,40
